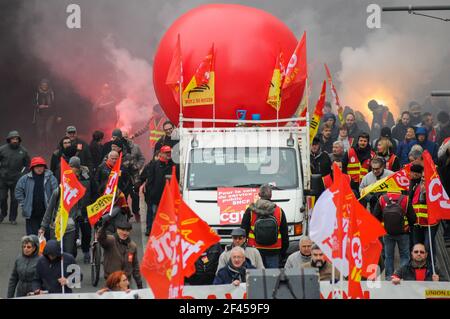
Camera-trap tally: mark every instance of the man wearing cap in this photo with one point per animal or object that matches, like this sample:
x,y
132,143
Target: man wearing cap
x,y
118,140
65,150
153,177
83,151
239,237
33,192
120,252
14,162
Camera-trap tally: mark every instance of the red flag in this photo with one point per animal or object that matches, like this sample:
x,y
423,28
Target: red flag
x,y
296,71
175,74
205,68
335,95
363,246
177,240
438,202
71,192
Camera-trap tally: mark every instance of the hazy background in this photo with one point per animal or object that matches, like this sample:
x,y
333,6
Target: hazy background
x,y
403,61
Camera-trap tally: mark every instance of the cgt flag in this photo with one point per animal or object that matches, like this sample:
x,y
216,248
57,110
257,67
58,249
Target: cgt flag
x,y
346,232
296,71
200,90
438,202
397,182
103,204
318,112
177,240
71,192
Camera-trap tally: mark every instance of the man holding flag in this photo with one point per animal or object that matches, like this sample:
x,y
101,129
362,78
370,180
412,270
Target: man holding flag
x,y
178,238
64,208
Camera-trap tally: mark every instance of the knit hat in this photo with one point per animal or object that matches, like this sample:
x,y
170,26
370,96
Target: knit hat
x,y
117,133
421,131
118,143
386,132
328,116
315,141
36,161
75,162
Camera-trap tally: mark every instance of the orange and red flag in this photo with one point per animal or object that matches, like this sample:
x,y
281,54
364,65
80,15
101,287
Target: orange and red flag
x,y
296,71
71,192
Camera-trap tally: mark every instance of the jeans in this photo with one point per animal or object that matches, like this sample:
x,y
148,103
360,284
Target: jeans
x,y
270,260
421,236
10,187
390,241
151,212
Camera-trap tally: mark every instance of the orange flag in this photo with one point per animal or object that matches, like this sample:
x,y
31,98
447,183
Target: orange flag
x,y
363,246
318,112
296,71
340,109
177,240
438,202
71,192
175,74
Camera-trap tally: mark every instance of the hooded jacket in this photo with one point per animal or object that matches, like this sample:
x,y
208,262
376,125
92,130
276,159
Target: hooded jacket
x,y
229,273
431,147
25,187
13,162
266,207
49,271
24,272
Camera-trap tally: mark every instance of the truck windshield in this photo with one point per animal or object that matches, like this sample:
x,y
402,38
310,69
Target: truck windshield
x,y
210,168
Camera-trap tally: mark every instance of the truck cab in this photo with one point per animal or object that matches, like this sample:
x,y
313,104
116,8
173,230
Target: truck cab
x,y
245,157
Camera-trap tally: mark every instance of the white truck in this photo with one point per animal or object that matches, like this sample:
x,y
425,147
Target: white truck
x,y
245,156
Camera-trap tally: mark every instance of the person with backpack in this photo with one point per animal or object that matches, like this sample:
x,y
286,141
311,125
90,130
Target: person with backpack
x,y
393,211
266,226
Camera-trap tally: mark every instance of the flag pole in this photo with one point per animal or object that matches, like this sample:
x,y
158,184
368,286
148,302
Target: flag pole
x,y
61,236
431,249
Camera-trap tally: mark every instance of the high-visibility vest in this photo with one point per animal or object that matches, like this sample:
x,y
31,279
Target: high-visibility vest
x,y
355,169
251,235
390,162
156,130
420,209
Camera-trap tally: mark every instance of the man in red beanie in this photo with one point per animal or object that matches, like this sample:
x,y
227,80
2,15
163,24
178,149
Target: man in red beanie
x,y
33,192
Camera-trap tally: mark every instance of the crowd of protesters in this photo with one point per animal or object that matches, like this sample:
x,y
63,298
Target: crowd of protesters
x,y
365,153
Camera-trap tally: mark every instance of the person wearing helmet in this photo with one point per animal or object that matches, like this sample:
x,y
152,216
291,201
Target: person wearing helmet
x,y
14,162
33,192
153,177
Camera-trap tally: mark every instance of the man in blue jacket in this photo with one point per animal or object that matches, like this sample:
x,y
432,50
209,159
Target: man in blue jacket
x,y
33,192
422,140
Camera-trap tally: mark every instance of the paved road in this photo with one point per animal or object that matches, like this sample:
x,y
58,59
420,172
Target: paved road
x,y
10,236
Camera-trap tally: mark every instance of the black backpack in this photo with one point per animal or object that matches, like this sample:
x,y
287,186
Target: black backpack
x,y
266,230
393,216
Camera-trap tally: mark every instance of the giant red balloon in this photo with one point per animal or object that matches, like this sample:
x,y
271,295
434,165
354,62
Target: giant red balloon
x,y
247,42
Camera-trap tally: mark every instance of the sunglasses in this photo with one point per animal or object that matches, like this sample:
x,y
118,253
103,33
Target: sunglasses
x,y
419,251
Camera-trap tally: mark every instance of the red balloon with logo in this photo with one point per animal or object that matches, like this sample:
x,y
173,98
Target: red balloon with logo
x,y
247,42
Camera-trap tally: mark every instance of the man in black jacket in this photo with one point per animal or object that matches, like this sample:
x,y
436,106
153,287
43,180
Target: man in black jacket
x,y
418,268
82,147
14,162
320,161
154,176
